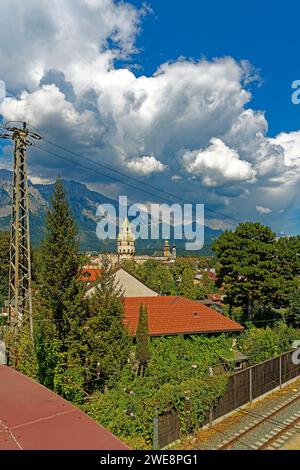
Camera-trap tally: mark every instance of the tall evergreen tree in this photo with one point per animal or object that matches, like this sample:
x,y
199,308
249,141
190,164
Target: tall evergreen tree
x,y
60,306
251,268
59,262
106,339
142,340
294,308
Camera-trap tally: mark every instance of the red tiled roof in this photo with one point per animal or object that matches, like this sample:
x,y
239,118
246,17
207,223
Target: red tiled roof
x,y
90,274
34,418
173,315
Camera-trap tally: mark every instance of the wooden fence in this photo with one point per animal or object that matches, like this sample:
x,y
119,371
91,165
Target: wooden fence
x,y
166,429
248,384
243,387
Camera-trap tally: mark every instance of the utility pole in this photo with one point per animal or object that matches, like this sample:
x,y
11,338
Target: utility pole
x,y
20,300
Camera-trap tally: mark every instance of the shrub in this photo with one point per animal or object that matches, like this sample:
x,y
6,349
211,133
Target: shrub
x,y
261,344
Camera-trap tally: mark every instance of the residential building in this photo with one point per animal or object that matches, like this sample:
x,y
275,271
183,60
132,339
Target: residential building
x,y
90,274
173,315
129,284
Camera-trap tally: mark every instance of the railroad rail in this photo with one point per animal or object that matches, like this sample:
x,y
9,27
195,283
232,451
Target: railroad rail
x,y
289,429
288,426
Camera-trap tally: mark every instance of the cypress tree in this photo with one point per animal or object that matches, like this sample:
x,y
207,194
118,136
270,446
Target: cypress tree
x,y
142,340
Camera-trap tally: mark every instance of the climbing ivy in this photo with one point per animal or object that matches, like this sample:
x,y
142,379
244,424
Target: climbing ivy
x,y
177,377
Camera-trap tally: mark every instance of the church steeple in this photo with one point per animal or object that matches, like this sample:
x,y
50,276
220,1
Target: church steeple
x,y
126,241
166,249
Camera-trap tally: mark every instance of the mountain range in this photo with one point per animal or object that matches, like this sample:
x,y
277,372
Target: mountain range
x,y
83,203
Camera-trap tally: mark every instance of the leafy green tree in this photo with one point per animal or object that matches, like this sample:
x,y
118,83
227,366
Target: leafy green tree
x,y
69,379
106,341
207,262
130,265
4,265
263,315
200,292
161,280
187,287
47,344
208,286
264,343
142,340
251,269
27,360
154,274
294,308
177,270
288,254
202,263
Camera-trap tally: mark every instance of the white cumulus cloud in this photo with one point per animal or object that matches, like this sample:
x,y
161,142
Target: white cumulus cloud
x,y
218,165
191,121
68,35
145,165
263,210
290,143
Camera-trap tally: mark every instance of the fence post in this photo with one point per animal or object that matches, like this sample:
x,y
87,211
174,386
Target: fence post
x,y
155,433
250,385
280,371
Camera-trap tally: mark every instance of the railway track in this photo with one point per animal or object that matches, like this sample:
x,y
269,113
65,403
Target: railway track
x,y
273,439
278,439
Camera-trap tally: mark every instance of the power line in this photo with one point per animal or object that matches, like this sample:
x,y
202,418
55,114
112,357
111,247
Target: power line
x,y
89,317
266,319
95,171
136,180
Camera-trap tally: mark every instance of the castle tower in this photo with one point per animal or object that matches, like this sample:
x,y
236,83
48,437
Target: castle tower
x,y
166,249
126,241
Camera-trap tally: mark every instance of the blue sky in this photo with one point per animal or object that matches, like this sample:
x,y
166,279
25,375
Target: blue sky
x,y
192,97
265,34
